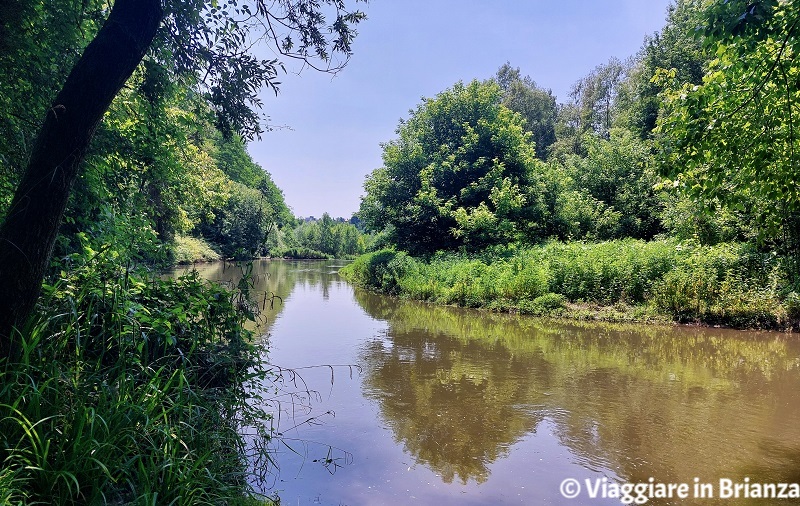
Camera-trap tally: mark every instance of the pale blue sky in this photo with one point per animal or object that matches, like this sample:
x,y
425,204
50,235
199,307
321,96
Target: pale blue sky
x,y
409,49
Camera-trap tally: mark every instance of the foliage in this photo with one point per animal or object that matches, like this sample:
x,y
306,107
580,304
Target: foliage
x,y
731,140
332,238
461,173
728,284
242,226
210,42
129,391
381,270
675,48
536,105
595,95
38,42
191,249
609,193
232,158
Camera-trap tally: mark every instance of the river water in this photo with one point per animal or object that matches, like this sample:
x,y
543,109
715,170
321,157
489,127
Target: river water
x,y
399,402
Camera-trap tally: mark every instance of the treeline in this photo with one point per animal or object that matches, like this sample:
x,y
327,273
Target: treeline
x,y
321,238
692,139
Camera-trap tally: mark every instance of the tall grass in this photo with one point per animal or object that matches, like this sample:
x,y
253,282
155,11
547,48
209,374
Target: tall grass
x,y
128,391
732,284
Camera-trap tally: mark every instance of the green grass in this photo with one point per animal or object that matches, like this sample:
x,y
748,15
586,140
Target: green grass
x,y
128,391
727,284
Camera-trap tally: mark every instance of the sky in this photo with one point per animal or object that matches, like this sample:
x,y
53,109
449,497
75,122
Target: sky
x,y
330,129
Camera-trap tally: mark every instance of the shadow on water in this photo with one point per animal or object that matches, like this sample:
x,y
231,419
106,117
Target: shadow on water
x,y
271,277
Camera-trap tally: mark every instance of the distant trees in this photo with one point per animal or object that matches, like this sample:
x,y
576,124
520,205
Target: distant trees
x,y
330,237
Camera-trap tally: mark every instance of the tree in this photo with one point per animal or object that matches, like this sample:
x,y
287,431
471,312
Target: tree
x,y
201,43
610,192
732,140
537,105
595,95
462,172
675,48
591,109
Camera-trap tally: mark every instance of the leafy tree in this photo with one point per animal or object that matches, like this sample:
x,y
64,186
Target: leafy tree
x,y
244,223
462,172
609,193
732,140
537,105
594,96
327,239
675,48
591,109
203,44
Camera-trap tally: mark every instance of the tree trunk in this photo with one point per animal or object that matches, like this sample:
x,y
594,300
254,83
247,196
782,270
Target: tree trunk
x,y
31,226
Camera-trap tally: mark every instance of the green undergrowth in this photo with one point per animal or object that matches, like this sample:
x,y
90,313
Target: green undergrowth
x,y
130,390
626,280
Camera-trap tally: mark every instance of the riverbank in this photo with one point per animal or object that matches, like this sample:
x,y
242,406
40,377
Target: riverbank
x,y
728,284
130,390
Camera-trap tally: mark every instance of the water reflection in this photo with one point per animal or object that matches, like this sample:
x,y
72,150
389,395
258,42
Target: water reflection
x,y
460,387
271,277
463,407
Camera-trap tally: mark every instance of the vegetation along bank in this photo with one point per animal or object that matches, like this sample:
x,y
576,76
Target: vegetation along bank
x,y
622,280
665,187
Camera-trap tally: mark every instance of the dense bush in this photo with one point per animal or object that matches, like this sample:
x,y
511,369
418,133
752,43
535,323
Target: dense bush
x,y
382,270
191,249
728,283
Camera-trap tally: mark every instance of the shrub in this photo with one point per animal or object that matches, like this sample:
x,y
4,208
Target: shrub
x,y
731,284
380,270
189,250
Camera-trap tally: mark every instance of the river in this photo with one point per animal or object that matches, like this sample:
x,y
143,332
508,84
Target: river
x,y
400,402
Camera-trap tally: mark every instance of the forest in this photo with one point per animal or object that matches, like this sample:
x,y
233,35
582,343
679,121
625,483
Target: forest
x,y
663,188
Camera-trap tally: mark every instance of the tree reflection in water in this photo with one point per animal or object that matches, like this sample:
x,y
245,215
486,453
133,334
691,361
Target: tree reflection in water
x,y
459,387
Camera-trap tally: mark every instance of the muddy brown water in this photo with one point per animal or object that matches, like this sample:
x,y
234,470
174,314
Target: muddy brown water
x,y
400,402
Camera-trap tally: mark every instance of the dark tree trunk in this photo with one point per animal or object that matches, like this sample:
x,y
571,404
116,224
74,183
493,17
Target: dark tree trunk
x,y
31,226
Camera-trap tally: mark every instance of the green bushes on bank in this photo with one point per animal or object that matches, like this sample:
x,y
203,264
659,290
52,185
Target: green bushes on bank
x,y
731,284
189,250
128,391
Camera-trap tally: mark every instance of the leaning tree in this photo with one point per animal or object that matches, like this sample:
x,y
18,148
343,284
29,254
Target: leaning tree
x,y
205,44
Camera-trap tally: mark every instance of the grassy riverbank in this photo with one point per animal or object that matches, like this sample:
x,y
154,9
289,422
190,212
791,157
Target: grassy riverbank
x,y
129,391
625,280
